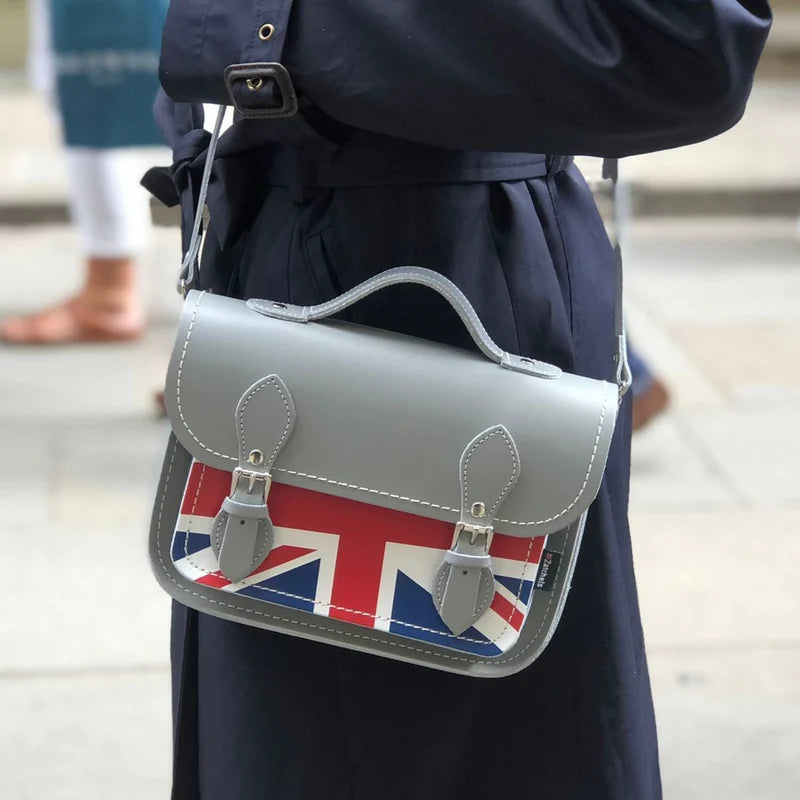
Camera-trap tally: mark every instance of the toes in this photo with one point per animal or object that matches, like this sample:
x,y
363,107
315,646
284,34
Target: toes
x,y
14,329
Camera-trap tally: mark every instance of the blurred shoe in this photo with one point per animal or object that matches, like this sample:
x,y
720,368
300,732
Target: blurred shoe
x,y
161,405
650,404
74,321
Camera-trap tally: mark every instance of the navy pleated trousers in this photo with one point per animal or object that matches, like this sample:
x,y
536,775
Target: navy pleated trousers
x,y
261,716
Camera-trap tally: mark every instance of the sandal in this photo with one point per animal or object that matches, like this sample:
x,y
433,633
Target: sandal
x,y
72,322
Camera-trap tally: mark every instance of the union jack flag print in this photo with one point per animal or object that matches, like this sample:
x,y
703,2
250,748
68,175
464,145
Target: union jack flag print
x,y
358,562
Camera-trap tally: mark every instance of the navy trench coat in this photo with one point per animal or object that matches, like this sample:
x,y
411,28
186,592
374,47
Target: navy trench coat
x,y
437,133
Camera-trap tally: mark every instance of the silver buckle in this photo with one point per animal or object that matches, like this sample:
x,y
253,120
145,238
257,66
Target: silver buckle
x,y
474,532
252,479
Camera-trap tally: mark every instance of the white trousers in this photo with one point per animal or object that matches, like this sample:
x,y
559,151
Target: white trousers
x,y
109,208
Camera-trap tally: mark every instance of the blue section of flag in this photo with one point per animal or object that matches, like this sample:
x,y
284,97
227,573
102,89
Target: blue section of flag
x,y
184,544
414,606
295,584
518,588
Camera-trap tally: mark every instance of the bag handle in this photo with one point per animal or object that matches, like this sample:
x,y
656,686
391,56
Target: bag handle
x,y
422,277
419,275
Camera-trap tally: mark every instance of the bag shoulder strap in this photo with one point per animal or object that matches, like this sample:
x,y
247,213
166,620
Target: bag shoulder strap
x,y
190,265
623,371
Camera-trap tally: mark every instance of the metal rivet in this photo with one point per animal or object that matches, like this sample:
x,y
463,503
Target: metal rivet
x,y
478,510
265,32
254,84
256,457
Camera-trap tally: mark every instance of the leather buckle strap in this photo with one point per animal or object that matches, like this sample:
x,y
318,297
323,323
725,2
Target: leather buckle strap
x,y
261,90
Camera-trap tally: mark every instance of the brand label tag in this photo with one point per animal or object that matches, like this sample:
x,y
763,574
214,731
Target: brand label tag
x,y
548,569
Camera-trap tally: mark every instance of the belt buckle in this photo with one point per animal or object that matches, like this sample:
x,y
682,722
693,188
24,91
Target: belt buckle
x,y
263,71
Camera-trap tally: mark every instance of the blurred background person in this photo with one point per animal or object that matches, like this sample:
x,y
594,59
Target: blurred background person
x,y
97,61
650,393
651,396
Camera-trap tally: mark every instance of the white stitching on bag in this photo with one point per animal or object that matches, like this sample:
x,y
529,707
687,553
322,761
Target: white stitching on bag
x,y
258,558
379,618
585,477
262,553
318,603
186,553
465,478
350,634
178,382
379,492
366,489
286,405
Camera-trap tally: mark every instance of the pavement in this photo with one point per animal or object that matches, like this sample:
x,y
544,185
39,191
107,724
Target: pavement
x,y
715,512
715,507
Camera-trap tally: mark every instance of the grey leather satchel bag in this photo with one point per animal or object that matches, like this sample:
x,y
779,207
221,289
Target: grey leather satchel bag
x,y
371,490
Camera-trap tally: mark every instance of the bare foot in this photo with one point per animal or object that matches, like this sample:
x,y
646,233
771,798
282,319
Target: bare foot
x,y
81,319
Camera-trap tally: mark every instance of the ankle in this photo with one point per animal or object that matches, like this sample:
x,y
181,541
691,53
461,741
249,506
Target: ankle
x,y
111,286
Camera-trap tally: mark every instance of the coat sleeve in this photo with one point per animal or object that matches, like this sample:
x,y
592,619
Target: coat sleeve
x,y
595,77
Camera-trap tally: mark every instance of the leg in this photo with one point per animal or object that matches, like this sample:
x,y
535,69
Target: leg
x,y
112,216
650,395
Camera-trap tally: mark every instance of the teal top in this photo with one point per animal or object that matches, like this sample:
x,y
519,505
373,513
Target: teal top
x,y
106,64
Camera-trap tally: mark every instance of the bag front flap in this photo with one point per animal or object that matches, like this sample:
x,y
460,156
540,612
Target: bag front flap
x,y
387,419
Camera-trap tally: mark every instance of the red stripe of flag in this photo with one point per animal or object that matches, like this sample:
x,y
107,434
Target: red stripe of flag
x,y
517,549
215,486
509,612
293,507
364,532
216,580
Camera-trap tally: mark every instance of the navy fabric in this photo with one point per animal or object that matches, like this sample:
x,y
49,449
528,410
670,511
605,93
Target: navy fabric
x,y
305,208
594,77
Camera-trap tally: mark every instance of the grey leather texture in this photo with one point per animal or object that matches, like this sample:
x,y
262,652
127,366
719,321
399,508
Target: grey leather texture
x,y
242,531
539,626
384,418
241,542
462,591
489,470
265,419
